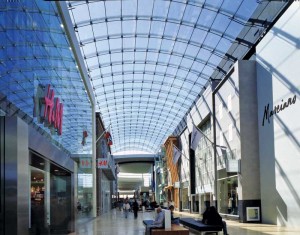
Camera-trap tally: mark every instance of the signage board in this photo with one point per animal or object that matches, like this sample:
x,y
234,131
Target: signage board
x,y
102,163
48,109
253,213
233,166
85,163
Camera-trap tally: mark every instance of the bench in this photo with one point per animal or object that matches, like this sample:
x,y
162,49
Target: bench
x,y
175,229
198,226
167,219
168,228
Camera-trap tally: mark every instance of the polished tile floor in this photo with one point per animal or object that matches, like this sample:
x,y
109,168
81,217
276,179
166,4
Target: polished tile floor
x,y
115,223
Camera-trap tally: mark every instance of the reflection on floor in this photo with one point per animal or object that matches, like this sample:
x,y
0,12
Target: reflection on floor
x,y
115,223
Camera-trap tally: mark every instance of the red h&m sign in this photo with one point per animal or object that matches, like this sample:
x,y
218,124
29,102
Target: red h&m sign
x,y
108,138
49,110
102,163
85,163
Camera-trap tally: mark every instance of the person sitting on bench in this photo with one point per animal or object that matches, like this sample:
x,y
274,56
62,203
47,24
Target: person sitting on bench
x,y
212,217
158,222
173,219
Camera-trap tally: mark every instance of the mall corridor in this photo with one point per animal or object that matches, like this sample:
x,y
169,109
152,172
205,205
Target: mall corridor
x,y
189,103
115,223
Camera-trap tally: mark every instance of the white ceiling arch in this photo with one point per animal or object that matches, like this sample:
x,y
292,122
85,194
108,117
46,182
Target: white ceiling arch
x,y
148,60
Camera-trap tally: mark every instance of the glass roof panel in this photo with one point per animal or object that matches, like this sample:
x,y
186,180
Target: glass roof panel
x,y
160,9
155,56
112,9
37,54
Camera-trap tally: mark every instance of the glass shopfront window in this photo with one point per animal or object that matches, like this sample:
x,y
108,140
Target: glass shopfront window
x,y
60,200
85,192
185,199
37,195
228,197
50,193
195,203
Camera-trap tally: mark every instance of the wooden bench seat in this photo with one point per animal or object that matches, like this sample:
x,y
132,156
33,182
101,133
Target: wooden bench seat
x,y
197,225
175,229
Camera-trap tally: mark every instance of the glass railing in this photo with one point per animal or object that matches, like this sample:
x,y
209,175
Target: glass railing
x,y
223,157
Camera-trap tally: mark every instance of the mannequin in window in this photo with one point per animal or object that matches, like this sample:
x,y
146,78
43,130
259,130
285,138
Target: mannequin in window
x,y
230,201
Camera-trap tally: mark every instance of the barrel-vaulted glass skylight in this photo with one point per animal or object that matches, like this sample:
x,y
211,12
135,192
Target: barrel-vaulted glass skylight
x,y
148,60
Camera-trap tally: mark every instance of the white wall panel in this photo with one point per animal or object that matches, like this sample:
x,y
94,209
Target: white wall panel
x,y
278,72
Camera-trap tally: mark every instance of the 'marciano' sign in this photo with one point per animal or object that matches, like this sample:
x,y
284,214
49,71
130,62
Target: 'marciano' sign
x,y
277,108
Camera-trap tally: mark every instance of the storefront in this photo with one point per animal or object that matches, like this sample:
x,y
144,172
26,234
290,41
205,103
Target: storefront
x,y
46,109
185,197
84,187
37,184
106,168
278,116
204,169
228,196
50,196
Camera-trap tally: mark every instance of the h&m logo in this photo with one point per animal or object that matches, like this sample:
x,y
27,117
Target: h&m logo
x,y
48,109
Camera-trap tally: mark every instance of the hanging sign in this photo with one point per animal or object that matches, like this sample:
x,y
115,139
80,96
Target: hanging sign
x,y
233,166
102,163
85,163
108,138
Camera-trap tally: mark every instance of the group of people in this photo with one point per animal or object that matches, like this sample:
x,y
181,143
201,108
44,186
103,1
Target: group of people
x,y
127,208
210,216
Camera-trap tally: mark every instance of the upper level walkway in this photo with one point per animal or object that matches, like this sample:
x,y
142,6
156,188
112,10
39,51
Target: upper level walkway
x,y
115,223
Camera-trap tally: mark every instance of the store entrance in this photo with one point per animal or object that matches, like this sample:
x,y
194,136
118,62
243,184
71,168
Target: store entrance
x,y
60,200
50,197
228,197
37,193
195,203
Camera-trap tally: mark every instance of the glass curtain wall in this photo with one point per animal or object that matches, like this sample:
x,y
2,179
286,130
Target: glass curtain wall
x,y
205,166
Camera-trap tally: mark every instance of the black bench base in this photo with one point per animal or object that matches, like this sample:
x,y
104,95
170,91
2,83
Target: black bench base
x,y
198,226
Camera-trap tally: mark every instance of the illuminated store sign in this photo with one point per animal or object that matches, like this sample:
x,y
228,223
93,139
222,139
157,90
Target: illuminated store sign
x,y
50,110
85,163
102,163
277,108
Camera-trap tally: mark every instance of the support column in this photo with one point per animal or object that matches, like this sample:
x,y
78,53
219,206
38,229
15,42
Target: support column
x,y
16,177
